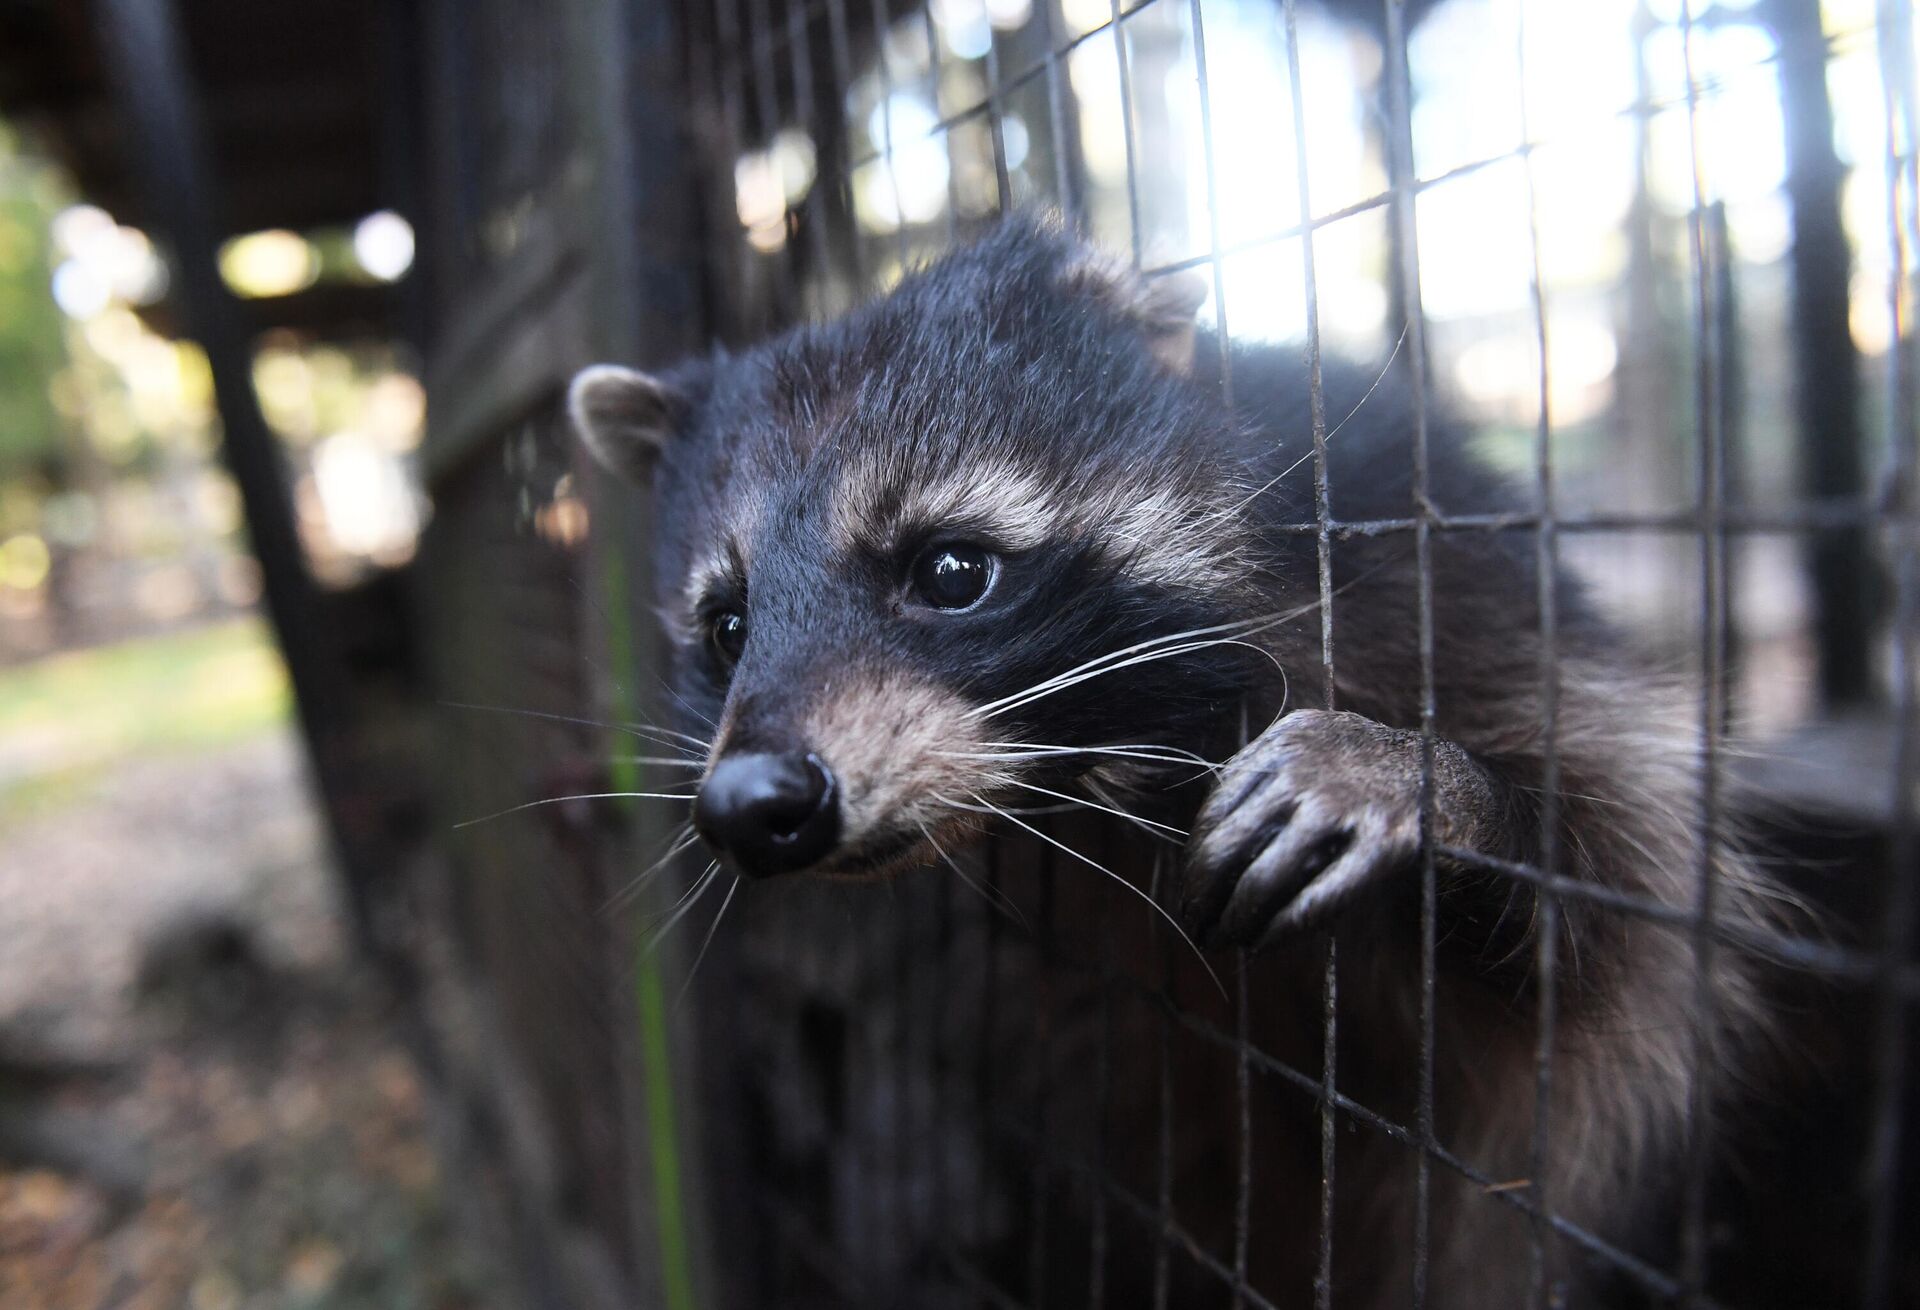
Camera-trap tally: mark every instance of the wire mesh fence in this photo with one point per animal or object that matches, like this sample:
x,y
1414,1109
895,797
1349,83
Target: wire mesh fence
x,y
1607,235
1654,259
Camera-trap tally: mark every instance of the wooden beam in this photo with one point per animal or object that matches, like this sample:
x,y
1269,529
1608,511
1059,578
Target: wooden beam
x,y
143,53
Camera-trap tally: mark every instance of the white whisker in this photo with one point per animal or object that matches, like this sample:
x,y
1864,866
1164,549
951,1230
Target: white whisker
x,y
698,743
1270,483
1148,657
1107,809
991,706
584,796
1100,793
1012,751
685,837
1381,377
685,704
990,809
996,899
707,941
644,733
1106,663
1092,863
688,899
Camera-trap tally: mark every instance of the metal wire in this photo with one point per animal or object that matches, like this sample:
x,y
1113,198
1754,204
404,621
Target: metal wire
x,y
813,213
1547,566
1323,543
1895,1002
1163,1156
1402,175
1043,1002
746,51
1704,253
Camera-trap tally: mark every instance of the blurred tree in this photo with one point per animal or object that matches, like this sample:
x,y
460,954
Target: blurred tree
x,y
33,438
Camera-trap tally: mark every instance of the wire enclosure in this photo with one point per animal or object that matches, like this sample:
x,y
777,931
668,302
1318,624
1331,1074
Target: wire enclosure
x,y
1608,235
1660,253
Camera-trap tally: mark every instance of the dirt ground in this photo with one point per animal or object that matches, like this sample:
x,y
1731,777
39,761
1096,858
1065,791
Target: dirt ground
x,y
203,1103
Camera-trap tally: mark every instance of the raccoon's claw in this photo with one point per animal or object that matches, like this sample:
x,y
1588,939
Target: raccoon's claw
x,y
1315,808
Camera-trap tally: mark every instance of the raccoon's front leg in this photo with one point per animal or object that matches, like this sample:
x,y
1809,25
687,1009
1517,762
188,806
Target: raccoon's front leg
x,y
1320,805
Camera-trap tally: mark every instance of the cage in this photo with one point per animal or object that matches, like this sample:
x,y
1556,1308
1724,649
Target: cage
x,y
1660,252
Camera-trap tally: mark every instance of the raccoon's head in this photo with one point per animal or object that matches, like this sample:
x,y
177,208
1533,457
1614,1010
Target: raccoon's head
x,y
968,546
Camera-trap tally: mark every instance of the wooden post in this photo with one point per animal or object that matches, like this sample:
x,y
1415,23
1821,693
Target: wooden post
x,y
1846,583
166,144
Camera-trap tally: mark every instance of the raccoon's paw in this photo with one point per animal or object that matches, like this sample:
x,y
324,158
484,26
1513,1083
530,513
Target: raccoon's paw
x,y
1315,808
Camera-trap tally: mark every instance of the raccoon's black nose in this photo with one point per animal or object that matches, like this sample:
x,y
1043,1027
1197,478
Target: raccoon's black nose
x,y
771,813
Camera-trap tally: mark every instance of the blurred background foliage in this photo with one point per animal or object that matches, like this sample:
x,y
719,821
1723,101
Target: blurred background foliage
x,y
116,518
33,438
204,1101
127,594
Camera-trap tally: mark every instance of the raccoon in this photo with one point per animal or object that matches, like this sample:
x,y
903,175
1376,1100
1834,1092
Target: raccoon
x,y
1006,534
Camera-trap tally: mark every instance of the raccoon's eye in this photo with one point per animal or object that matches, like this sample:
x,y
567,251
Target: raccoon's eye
x,y
953,576
727,631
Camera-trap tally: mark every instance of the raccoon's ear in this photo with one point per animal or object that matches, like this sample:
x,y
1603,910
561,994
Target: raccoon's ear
x,y
624,417
1162,307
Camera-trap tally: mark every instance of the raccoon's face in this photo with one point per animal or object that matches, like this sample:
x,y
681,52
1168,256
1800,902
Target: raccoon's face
x,y
954,554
